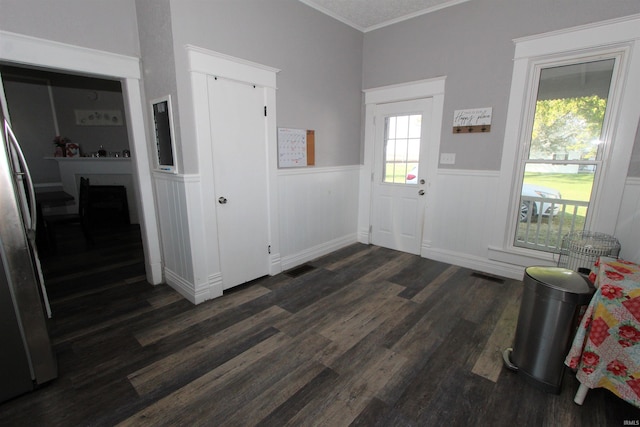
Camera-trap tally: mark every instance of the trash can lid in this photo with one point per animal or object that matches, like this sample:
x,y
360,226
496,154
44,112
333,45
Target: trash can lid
x,y
560,283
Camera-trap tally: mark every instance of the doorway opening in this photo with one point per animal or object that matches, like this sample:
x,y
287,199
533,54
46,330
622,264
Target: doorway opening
x,y
59,57
47,108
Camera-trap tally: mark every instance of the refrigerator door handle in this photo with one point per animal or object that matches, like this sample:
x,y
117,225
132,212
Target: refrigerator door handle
x,y
31,219
23,173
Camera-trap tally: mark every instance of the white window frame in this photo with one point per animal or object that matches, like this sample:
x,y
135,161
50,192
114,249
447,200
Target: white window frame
x,y
537,65
615,37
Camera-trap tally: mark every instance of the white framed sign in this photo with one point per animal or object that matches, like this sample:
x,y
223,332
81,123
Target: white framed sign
x,y
472,120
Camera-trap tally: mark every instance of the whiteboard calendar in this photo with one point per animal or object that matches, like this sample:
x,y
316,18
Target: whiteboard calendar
x,y
292,147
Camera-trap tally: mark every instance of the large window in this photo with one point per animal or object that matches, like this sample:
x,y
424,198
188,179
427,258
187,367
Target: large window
x,y
563,158
571,125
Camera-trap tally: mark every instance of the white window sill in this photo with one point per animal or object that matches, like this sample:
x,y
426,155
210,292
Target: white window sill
x,y
522,257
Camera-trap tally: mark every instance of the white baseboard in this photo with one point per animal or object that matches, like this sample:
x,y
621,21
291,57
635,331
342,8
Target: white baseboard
x,y
154,272
182,286
363,236
275,264
309,254
212,289
475,263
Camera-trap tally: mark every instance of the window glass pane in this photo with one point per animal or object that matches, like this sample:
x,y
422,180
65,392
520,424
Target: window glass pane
x,y
390,153
413,150
391,127
389,160
402,149
415,125
402,127
570,182
570,110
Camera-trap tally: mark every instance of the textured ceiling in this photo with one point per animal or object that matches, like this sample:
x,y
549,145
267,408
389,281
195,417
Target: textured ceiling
x,y
367,15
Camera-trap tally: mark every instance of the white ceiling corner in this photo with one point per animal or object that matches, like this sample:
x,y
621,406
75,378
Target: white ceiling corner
x,y
367,15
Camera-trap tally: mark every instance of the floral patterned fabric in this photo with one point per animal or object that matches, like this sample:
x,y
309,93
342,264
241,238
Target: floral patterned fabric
x,y
606,349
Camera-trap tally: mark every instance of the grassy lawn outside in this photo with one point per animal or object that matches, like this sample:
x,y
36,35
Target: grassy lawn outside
x,y
397,172
572,186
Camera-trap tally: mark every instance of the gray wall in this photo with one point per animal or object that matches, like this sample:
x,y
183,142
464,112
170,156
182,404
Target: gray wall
x,y
158,61
72,93
324,63
472,44
320,61
103,25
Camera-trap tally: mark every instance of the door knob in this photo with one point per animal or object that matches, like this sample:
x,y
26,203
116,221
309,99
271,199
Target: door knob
x,y
222,200
421,192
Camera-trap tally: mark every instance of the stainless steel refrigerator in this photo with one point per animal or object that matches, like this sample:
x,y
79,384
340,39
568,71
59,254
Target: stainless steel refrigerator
x,y
26,354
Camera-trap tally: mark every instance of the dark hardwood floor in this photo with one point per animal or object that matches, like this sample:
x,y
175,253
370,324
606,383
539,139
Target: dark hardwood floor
x,y
364,336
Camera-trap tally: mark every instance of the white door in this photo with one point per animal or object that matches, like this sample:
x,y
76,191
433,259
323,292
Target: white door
x,y
240,179
399,188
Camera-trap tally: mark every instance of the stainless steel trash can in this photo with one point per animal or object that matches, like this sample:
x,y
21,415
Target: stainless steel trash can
x,y
551,302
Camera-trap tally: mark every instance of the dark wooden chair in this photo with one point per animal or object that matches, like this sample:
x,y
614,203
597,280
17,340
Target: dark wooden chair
x,y
109,207
50,222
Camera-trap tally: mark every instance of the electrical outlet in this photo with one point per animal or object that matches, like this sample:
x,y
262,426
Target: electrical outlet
x,y
447,158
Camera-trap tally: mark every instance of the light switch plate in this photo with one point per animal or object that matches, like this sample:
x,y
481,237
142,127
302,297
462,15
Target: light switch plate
x,y
447,158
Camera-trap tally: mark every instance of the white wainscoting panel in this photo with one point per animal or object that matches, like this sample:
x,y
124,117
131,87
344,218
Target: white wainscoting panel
x,y
463,216
628,224
184,242
318,211
462,220
464,203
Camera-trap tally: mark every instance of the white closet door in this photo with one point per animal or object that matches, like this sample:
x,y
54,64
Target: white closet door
x,y
238,130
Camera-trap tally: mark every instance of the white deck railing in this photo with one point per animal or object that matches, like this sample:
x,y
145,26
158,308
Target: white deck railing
x,y
544,231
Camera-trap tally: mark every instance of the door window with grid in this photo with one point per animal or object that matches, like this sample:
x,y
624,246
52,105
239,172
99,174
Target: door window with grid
x,y
402,149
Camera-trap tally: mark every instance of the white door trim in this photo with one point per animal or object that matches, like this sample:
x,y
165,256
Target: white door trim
x,y
221,65
430,88
26,50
